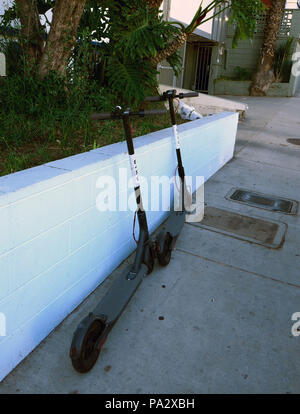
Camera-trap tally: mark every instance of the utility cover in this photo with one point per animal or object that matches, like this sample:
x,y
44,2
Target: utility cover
x,y
294,141
252,229
265,201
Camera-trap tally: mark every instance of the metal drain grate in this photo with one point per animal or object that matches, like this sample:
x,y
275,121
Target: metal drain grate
x,y
251,229
267,202
294,141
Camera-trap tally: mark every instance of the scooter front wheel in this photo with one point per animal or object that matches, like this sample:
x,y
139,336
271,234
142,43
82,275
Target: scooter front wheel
x,y
89,352
165,241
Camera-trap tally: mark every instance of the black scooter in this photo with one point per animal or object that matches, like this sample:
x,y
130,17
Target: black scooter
x,y
93,330
172,228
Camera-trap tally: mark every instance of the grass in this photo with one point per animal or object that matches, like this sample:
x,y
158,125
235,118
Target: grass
x,y
42,120
59,142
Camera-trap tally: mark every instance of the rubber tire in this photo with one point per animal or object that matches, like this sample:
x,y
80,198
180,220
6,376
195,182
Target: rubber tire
x,y
149,260
88,353
164,256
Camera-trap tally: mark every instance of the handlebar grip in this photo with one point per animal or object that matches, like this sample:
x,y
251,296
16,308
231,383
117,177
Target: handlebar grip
x,y
111,115
155,112
103,115
188,95
154,98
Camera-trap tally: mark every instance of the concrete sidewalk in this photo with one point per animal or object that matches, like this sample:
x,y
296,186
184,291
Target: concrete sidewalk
x,y
226,304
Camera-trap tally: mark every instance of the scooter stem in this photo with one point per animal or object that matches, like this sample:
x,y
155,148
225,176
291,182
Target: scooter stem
x,y
142,219
181,172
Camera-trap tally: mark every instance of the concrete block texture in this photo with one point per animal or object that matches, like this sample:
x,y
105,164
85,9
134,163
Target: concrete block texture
x,y
56,247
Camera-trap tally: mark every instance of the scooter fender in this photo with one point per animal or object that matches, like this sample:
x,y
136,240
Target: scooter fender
x,y
79,334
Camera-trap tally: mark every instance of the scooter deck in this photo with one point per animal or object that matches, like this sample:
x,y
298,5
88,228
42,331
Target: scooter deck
x,y
119,294
175,223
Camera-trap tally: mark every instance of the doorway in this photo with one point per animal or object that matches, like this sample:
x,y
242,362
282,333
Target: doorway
x,y
203,62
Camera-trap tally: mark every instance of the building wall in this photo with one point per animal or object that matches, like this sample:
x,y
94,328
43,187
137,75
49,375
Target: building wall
x,y
166,74
184,11
295,80
2,61
190,67
291,4
2,65
247,53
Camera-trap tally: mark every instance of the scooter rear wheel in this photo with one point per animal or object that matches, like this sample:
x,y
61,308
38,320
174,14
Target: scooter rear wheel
x,y
149,258
89,352
164,254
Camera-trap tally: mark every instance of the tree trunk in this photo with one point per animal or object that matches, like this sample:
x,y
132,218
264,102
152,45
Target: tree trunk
x,y
170,49
154,3
32,33
62,36
264,75
179,40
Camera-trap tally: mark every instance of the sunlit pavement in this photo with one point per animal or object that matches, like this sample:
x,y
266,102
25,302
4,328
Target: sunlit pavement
x,y
218,318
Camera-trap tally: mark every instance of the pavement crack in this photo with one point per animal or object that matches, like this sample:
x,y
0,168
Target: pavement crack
x,y
266,163
238,268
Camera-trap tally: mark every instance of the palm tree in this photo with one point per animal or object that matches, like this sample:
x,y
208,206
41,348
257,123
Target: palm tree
x,y
264,75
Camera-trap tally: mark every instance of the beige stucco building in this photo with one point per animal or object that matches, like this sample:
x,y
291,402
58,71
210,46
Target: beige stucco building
x,y
208,54
200,48
2,65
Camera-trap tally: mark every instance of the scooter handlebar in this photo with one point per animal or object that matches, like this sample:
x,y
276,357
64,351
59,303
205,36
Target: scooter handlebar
x,y
153,112
188,95
157,98
117,115
103,115
164,96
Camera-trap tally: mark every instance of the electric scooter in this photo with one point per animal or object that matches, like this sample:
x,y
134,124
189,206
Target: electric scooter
x,y
173,226
93,330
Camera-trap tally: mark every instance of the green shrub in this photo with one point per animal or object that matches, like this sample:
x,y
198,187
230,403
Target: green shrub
x,y
32,108
282,65
242,74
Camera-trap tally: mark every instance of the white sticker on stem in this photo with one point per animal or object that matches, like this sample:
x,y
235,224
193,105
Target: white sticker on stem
x,y
134,171
176,137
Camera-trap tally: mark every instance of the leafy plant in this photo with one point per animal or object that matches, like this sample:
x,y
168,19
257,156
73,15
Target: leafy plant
x,y
243,15
137,37
282,64
13,56
133,34
112,61
241,74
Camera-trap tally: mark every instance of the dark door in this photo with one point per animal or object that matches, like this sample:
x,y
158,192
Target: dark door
x,y
203,68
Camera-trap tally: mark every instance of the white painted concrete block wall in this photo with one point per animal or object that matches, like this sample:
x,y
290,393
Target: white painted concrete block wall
x,y
56,247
